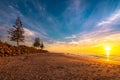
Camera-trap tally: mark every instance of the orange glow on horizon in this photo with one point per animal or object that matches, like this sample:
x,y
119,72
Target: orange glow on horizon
x,y
101,48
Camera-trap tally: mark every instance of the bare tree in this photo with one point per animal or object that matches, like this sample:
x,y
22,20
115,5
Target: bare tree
x,y
16,33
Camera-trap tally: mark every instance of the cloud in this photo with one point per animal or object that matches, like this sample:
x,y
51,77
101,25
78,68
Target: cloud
x,y
72,14
103,31
28,32
110,20
30,36
70,37
32,27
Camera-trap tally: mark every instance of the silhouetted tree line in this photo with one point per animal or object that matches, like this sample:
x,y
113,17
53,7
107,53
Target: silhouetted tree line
x,y
37,43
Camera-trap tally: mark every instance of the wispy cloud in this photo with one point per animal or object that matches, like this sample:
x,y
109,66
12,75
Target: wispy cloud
x,y
110,20
70,37
102,30
30,34
32,27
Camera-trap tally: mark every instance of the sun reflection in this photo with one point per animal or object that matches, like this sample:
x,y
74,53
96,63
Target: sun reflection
x,y
107,48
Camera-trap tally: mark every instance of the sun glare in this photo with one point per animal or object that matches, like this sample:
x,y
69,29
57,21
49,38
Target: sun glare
x,y
107,48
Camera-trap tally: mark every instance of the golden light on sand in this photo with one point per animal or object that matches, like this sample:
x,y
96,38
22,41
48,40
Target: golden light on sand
x,y
107,48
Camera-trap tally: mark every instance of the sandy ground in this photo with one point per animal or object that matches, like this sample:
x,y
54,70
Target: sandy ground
x,y
51,66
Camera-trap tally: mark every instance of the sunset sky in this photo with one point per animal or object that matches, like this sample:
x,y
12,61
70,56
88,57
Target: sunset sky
x,y
73,26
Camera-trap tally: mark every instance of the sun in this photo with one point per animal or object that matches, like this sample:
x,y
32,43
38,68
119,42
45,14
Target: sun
x,y
107,48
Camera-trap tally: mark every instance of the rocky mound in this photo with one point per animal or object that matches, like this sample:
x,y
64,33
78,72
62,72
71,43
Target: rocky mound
x,y
9,50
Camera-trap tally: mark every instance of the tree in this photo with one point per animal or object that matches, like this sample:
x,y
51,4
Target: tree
x,y
41,45
36,42
16,33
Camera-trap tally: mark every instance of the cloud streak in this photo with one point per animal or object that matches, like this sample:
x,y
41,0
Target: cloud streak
x,y
110,20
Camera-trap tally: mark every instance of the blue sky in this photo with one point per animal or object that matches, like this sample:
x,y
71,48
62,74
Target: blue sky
x,y
62,21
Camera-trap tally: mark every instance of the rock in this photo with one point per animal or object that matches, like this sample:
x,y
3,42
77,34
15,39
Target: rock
x,y
9,50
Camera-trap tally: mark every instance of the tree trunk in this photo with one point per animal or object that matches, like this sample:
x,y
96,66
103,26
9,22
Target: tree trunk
x,y
17,43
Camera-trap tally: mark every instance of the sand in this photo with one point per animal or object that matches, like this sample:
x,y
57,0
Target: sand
x,y
52,66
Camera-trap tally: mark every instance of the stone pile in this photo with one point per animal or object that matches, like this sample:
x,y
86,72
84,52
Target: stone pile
x,y
9,50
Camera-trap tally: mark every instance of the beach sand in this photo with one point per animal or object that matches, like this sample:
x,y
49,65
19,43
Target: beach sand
x,y
53,66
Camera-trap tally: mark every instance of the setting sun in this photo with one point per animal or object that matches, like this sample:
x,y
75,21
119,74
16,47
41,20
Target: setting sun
x,y
107,48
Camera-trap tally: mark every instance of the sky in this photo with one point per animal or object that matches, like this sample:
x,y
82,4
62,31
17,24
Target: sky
x,y
65,25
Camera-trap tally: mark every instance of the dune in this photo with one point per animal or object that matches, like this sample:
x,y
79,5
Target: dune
x,y
52,66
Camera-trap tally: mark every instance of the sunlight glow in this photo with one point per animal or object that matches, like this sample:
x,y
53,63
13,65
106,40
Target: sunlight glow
x,y
107,48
